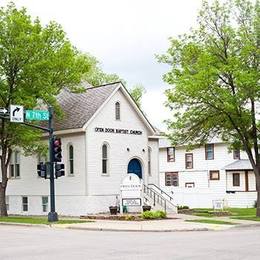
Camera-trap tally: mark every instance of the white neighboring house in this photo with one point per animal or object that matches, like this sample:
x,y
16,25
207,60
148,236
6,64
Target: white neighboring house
x,y
210,173
104,136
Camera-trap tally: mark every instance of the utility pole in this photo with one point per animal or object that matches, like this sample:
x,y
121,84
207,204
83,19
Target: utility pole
x,y
52,216
48,167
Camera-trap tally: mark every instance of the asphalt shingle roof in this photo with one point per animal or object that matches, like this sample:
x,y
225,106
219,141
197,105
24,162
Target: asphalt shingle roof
x,y
78,108
242,164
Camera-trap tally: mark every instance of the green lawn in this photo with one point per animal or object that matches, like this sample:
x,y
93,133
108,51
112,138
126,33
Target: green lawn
x,y
211,221
253,218
206,212
38,220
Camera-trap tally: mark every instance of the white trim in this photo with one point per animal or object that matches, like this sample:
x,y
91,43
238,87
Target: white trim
x,y
66,131
130,100
100,108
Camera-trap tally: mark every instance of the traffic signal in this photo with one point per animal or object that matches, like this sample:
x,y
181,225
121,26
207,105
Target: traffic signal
x,y
57,149
59,170
41,170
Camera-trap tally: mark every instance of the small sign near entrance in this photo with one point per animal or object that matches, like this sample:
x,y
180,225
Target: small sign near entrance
x,y
39,115
131,202
16,114
131,192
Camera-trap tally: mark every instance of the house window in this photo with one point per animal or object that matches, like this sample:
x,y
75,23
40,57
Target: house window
x,y
189,160
7,202
236,179
171,179
214,175
44,204
209,151
149,161
170,154
25,203
15,165
104,159
236,154
189,185
71,159
117,110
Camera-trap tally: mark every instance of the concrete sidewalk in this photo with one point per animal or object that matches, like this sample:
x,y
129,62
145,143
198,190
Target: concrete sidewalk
x,y
176,223
165,225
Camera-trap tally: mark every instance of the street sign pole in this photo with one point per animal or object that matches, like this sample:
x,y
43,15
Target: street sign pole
x,y
52,216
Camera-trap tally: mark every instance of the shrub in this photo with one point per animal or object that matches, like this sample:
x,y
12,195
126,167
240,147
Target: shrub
x,y
153,214
183,207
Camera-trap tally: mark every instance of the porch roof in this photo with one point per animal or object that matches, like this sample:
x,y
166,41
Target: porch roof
x,y
242,164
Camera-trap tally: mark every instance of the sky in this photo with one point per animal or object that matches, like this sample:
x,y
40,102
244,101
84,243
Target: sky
x,y
124,35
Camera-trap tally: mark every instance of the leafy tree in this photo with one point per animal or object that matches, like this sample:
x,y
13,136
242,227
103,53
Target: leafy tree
x,y
214,73
137,92
36,62
98,77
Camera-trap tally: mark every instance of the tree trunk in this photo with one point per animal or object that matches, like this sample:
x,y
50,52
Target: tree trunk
x,y
3,210
257,174
3,185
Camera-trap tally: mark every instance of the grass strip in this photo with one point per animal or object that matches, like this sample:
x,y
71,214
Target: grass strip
x,y
252,218
211,221
39,220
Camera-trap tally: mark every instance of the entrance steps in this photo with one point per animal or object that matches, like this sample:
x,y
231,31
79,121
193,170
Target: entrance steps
x,y
158,199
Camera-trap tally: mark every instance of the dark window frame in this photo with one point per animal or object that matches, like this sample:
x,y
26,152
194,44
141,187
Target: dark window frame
x,y
71,159
169,159
186,161
45,204
14,167
149,161
188,183
211,172
172,179
236,154
105,159
206,151
25,205
117,110
236,182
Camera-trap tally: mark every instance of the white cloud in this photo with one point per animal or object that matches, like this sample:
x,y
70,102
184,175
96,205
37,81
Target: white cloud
x,y
124,35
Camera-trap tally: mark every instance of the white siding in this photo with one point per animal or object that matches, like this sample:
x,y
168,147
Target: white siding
x,y
205,190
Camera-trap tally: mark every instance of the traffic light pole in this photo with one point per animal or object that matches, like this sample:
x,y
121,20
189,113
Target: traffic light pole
x,y
52,216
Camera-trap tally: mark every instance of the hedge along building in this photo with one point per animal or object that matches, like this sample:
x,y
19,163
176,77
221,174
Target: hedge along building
x,y
104,136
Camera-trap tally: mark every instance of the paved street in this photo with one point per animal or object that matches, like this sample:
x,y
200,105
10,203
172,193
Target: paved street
x,y
50,243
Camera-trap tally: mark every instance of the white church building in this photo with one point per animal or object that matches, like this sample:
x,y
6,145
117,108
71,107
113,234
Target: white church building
x,y
104,137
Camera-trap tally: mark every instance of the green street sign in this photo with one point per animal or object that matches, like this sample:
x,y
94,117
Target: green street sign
x,y
39,115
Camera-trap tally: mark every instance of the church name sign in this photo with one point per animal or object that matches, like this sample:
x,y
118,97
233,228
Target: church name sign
x,y
118,131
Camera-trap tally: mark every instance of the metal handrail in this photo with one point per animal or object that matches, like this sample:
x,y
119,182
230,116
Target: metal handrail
x,y
162,192
155,196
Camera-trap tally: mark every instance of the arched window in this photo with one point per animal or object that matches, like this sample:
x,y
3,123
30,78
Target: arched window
x,y
71,159
15,165
117,110
104,159
149,161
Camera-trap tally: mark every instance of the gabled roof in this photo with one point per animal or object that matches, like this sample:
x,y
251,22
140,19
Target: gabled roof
x,y
78,108
242,164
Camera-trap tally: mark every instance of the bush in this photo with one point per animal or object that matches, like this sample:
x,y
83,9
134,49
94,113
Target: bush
x,y
183,207
153,214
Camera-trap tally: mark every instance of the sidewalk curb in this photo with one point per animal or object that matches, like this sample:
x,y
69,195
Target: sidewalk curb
x,y
24,224
139,230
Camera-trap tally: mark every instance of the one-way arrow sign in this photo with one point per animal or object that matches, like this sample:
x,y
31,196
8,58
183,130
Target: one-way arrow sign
x,y
16,114
3,110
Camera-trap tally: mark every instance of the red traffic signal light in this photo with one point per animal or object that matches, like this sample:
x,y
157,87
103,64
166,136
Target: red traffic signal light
x,y
57,149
